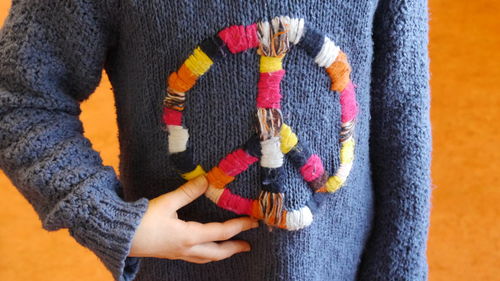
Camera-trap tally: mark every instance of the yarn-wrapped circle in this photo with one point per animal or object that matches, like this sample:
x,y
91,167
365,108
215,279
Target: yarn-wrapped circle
x,y
273,139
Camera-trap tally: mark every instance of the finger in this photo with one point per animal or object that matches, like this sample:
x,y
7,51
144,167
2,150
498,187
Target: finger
x,y
215,251
217,231
187,192
196,259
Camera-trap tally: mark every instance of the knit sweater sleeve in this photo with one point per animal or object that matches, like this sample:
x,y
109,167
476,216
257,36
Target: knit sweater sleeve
x,y
52,53
400,146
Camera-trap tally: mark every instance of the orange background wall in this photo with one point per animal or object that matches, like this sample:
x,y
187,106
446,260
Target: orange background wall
x,y
464,242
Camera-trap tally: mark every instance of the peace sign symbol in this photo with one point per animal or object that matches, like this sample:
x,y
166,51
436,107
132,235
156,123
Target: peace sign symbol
x,y
273,139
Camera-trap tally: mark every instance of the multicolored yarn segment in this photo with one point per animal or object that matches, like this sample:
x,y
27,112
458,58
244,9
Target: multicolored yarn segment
x,y
273,138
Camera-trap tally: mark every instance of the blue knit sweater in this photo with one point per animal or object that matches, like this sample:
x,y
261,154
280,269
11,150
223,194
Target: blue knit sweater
x,y
52,53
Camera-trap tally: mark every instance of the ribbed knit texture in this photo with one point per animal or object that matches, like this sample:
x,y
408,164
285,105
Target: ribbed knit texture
x,y
374,228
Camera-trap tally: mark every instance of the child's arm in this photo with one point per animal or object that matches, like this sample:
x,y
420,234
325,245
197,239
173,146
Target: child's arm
x,y
51,58
400,143
52,53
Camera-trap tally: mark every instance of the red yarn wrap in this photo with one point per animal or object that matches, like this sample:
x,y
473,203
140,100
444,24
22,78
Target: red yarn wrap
x,y
236,162
172,117
235,203
268,89
239,38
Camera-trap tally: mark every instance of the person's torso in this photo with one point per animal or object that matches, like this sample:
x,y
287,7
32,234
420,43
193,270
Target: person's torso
x,y
155,38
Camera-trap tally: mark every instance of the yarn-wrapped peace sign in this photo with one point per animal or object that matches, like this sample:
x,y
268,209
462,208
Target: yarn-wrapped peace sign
x,y
273,139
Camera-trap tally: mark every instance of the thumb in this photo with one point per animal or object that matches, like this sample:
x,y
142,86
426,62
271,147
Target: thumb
x,y
187,192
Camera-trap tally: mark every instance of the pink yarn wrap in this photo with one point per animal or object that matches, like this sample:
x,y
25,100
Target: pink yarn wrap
x,y
239,38
268,95
313,168
235,203
348,103
236,162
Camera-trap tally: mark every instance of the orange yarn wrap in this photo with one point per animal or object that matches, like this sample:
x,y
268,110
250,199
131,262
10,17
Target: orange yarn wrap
x,y
339,72
182,80
218,178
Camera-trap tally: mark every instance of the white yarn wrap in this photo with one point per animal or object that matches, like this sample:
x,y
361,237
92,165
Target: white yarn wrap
x,y
343,170
276,23
265,39
328,53
298,219
272,157
214,193
295,28
177,138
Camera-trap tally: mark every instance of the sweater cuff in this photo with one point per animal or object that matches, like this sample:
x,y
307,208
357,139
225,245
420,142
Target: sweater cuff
x,y
108,232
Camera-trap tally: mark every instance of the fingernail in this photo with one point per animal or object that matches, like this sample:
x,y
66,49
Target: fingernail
x,y
255,224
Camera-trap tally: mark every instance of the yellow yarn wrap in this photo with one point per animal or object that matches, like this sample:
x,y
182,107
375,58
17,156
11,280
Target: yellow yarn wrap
x,y
333,183
198,62
198,171
288,138
347,151
270,64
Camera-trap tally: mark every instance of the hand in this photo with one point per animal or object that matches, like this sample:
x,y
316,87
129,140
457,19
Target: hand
x,y
161,234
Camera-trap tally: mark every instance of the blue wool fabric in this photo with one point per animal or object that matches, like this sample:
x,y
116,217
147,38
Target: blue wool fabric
x,y
52,54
